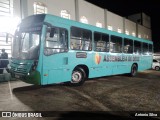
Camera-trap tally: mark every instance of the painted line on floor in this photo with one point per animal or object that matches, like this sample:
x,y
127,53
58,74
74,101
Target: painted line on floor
x,y
10,90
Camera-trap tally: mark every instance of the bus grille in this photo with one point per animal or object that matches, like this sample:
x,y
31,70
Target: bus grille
x,y
19,69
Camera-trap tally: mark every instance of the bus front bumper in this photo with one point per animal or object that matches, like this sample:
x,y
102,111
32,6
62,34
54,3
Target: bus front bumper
x,y
32,77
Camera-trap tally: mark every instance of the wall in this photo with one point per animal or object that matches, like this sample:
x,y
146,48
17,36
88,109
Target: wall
x,y
146,20
144,32
115,21
94,14
91,14
141,18
16,8
53,6
130,27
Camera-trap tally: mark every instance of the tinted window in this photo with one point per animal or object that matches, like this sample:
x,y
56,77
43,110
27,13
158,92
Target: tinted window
x,y
116,44
137,47
81,39
150,49
101,42
56,41
145,48
128,46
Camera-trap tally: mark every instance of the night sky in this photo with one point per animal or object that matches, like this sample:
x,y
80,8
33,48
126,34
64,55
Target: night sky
x,y
129,7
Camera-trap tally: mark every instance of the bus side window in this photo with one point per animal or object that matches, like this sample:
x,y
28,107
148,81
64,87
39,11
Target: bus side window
x,y
116,44
81,39
137,47
150,49
76,43
101,42
145,48
128,46
56,41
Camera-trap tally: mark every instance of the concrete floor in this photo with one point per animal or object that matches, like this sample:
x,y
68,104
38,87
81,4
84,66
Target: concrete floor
x,y
113,93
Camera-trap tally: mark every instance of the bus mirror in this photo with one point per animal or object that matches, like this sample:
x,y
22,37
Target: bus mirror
x,y
52,33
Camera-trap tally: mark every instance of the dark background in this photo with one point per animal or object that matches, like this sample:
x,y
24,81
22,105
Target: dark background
x,y
129,7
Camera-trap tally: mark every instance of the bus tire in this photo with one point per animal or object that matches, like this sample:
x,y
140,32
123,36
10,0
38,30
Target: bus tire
x,y
78,77
133,72
157,68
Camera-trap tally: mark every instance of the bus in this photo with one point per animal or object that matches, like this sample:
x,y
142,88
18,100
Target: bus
x,y
48,49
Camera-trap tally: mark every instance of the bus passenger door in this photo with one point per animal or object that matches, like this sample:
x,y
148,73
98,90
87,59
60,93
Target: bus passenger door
x,y
55,59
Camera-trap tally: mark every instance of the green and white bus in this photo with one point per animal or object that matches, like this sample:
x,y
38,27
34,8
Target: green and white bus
x,y
47,49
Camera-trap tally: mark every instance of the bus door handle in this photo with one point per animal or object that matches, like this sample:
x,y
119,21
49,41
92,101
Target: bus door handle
x,y
65,60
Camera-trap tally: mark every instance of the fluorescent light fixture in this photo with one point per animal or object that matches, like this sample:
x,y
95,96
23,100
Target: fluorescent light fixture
x,y
119,30
65,14
139,36
127,32
83,19
110,27
99,24
133,34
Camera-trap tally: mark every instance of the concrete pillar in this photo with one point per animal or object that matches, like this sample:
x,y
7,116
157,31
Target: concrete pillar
x,y
24,8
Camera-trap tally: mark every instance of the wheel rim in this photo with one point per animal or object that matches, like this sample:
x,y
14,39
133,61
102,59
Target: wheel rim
x,y
76,77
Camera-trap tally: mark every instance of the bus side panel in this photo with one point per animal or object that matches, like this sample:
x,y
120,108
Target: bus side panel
x,y
119,65
40,61
59,75
145,62
56,68
100,66
111,64
80,58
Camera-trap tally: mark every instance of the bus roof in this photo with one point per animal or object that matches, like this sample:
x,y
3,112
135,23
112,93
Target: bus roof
x,y
52,19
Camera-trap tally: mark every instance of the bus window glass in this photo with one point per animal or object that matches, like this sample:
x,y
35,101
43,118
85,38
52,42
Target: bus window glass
x,y
26,42
128,46
101,42
137,47
36,39
80,39
26,45
145,48
150,49
116,44
56,41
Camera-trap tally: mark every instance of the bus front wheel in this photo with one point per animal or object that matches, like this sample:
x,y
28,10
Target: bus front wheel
x,y
78,76
133,70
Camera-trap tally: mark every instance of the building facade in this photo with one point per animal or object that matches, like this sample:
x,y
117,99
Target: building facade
x,y
12,11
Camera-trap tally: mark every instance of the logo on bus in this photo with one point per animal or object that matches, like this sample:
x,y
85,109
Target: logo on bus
x,y
97,58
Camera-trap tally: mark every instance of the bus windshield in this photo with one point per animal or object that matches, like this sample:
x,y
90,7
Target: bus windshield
x,y
26,45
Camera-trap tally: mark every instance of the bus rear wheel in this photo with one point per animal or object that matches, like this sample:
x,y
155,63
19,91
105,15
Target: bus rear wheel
x,y
78,77
133,70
